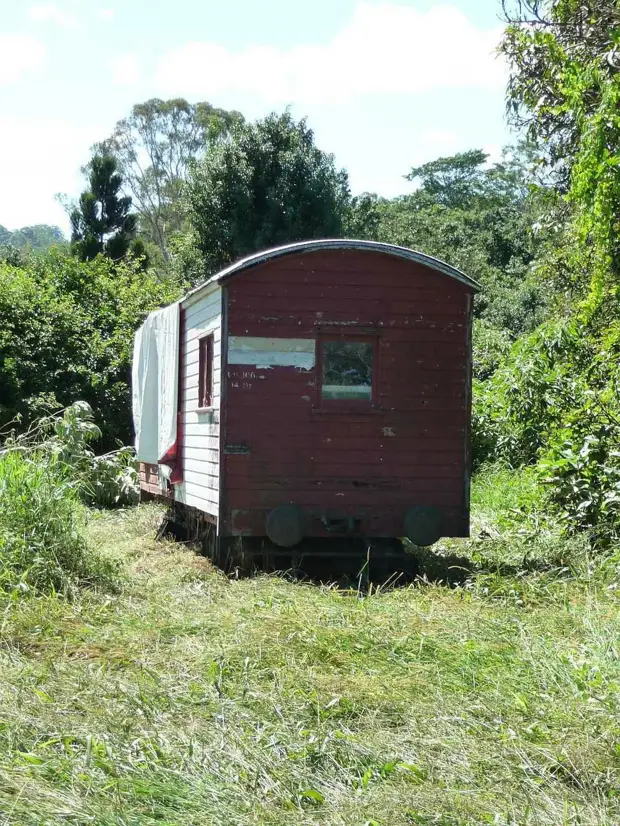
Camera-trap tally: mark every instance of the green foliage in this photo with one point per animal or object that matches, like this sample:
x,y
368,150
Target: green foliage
x,y
520,403
42,546
268,184
456,181
41,539
110,480
39,237
44,476
490,347
584,478
481,218
554,400
66,333
154,147
102,222
364,217
563,58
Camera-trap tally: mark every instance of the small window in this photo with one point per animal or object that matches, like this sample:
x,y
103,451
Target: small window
x,y
205,371
347,369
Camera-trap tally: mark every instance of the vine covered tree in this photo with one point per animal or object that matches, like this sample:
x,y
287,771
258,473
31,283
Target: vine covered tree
x,y
564,60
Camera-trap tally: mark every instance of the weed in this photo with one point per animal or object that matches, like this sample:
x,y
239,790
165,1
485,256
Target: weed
x,y
41,541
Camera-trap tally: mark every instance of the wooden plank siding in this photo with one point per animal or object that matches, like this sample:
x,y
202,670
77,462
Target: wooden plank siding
x,y
410,449
201,429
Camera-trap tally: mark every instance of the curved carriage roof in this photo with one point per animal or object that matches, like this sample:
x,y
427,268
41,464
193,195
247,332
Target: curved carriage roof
x,y
337,244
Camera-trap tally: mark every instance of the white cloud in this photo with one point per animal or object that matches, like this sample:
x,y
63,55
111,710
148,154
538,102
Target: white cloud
x,y
51,13
440,142
495,152
126,69
19,53
105,14
385,49
46,156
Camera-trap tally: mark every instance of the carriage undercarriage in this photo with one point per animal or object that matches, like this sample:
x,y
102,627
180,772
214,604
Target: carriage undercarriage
x,y
335,558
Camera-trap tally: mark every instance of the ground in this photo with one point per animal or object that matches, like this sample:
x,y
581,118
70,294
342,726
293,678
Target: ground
x,y
190,698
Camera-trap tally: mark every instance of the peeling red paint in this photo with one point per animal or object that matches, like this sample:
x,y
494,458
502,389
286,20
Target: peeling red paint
x,y
370,463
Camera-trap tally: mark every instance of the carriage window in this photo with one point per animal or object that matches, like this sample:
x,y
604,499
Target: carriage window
x,y
205,371
347,369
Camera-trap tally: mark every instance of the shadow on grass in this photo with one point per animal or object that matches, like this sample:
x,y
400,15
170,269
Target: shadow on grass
x,y
355,563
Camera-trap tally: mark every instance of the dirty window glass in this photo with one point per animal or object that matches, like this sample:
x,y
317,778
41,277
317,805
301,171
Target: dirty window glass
x,y
347,370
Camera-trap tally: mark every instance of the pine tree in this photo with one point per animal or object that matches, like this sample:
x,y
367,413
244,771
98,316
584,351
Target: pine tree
x,y
102,223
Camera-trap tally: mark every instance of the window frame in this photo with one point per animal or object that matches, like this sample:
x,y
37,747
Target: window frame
x,y
205,371
350,335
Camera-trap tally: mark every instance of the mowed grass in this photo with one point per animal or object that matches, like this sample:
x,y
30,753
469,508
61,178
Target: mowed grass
x,y
189,698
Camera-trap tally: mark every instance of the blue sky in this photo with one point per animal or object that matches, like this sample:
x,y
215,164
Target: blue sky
x,y
385,85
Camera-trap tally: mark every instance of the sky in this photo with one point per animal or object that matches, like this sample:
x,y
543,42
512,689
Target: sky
x,y
385,85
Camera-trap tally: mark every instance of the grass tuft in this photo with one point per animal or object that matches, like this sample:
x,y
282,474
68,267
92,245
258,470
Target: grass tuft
x,y
42,546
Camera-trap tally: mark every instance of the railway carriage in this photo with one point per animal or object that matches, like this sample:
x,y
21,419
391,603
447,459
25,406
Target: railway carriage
x,y
314,391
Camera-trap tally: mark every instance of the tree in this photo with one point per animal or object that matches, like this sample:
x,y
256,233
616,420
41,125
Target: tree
x,y
268,184
477,216
154,147
455,181
102,223
544,41
364,216
66,334
565,89
36,237
554,401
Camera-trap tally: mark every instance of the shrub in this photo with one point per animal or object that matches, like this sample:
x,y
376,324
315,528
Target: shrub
x,y
46,475
66,333
113,480
104,481
554,403
491,345
41,543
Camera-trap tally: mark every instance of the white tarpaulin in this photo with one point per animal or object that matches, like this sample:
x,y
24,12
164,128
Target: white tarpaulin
x,y
155,383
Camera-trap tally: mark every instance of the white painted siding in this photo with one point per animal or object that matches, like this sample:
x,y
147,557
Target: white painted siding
x,y
201,430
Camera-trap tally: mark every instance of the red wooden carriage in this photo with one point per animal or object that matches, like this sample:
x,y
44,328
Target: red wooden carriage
x,y
322,389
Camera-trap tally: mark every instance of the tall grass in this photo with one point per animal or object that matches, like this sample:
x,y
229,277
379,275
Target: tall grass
x,y
41,520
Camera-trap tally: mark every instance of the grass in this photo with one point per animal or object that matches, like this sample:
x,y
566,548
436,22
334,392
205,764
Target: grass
x,y
41,526
192,699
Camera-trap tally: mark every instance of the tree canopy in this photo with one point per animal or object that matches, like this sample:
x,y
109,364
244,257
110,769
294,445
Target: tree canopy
x,y
477,216
154,148
37,237
102,221
564,55
267,184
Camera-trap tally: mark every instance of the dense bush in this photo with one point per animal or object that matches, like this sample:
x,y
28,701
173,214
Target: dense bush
x,y
66,333
554,402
